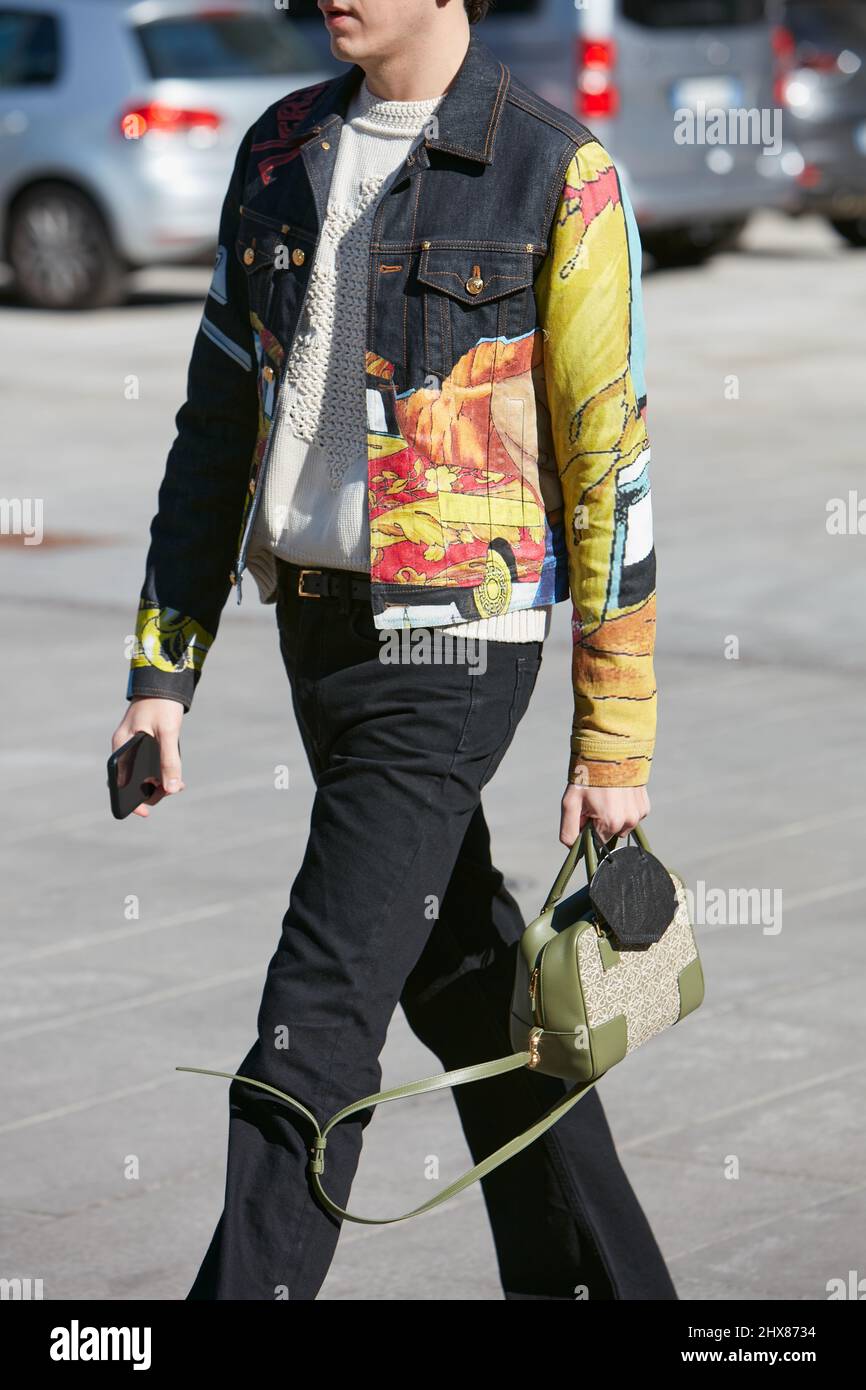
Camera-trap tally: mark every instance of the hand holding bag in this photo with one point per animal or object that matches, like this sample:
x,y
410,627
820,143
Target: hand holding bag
x,y
598,974
608,968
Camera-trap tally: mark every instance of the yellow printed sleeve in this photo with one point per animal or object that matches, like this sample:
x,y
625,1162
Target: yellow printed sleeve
x,y
589,299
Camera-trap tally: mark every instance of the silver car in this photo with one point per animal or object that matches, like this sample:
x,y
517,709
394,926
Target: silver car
x,y
659,81
823,60
119,122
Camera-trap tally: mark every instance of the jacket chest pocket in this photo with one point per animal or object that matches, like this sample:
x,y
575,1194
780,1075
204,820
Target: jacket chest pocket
x,y
276,259
472,297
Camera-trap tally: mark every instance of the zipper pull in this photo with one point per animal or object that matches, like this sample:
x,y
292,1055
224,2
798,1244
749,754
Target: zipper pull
x,y
238,582
533,988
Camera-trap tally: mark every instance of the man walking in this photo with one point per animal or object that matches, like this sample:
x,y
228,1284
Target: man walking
x,y
415,408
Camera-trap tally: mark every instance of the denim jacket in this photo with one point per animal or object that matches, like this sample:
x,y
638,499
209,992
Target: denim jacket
x,y
507,445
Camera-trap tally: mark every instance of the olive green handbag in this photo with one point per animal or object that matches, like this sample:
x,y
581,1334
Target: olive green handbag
x,y
598,973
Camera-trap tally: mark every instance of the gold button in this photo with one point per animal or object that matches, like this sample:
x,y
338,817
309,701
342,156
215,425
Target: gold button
x,y
529,246
425,246
475,284
268,373
249,256
298,256
326,144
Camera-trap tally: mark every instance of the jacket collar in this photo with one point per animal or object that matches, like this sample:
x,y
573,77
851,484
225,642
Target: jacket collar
x,y
467,117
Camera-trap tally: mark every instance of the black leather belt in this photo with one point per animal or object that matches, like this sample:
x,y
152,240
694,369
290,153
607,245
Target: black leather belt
x,y
309,582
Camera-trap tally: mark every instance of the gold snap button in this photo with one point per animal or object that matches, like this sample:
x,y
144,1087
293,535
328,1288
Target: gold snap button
x,y
268,373
529,246
326,144
298,256
425,246
475,284
249,256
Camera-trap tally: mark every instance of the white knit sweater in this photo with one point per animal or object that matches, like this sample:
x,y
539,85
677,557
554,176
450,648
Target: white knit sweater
x,y
313,509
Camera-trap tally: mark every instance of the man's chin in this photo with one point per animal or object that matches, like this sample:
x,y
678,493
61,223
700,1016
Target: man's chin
x,y
343,48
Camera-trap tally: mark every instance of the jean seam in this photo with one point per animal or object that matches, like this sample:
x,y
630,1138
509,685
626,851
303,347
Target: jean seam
x,y
313,657
461,742
522,669
301,1232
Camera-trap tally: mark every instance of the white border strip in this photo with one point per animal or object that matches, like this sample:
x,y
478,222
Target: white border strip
x,y
230,348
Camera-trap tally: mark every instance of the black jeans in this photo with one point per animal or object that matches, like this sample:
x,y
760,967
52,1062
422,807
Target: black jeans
x,y
400,753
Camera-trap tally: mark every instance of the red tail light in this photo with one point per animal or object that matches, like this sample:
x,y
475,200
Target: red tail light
x,y
137,121
784,51
597,94
819,62
784,44
597,53
810,176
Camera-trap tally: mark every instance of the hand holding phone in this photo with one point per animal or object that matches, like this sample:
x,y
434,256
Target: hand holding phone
x,y
145,764
133,774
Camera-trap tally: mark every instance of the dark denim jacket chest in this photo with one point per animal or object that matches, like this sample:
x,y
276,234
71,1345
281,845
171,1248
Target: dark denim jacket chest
x,y
457,240
447,216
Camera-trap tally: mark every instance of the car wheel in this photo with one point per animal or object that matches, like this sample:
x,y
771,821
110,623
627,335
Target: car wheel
x,y
682,246
853,229
60,251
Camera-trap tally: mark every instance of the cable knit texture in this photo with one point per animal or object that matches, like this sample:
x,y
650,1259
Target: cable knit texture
x,y
314,506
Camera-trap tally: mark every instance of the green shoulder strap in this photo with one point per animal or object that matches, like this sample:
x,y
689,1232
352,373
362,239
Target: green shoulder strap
x,y
415,1088
583,845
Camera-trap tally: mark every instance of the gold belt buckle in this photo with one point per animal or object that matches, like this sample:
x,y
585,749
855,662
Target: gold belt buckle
x,y
301,593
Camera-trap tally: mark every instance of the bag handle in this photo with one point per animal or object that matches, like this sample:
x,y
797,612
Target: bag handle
x,y
413,1088
584,846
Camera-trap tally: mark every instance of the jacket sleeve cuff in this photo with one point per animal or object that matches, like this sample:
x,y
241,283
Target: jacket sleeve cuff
x,y
168,653
605,761
163,685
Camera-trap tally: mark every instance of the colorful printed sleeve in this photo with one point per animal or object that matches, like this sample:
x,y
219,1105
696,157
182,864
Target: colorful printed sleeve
x,y
589,298
194,532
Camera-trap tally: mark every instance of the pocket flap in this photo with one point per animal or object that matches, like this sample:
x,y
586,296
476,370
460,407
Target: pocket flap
x,y
476,276
260,237
256,246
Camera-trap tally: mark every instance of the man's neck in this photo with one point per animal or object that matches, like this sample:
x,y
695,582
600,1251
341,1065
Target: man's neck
x,y
419,70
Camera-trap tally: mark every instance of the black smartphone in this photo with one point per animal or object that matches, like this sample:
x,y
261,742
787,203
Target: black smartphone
x,y
133,771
